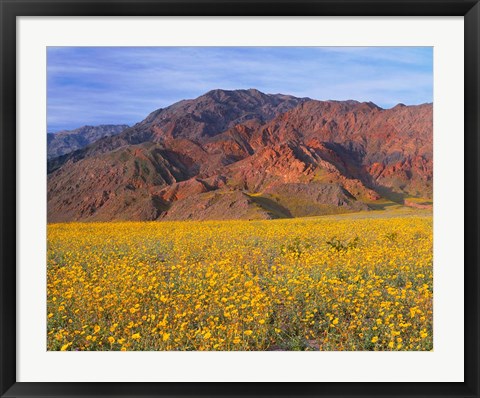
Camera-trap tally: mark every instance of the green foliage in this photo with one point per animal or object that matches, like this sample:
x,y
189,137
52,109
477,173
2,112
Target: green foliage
x,y
391,236
339,245
295,246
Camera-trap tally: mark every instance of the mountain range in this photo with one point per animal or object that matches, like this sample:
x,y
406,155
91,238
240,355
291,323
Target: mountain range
x,y
243,154
67,141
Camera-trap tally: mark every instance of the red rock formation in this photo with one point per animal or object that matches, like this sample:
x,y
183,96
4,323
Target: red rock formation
x,y
247,142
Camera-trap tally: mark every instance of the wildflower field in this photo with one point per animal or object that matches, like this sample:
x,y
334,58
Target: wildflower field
x,y
350,282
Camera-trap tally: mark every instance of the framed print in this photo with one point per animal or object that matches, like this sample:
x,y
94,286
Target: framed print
x,y
213,198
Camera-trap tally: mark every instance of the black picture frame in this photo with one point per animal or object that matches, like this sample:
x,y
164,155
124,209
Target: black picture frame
x,y
10,9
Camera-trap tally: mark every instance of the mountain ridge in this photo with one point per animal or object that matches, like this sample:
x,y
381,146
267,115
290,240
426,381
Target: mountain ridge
x,y
286,156
66,141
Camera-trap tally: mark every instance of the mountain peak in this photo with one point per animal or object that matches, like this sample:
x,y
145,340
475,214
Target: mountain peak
x,y
372,105
217,111
223,95
244,153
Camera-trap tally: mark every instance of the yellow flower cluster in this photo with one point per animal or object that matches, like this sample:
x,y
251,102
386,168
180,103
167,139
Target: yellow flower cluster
x,y
323,283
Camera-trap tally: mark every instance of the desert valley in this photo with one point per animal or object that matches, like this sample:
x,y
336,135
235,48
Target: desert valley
x,y
241,221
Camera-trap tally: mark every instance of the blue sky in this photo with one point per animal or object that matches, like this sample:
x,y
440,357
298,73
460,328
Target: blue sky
x,y
116,85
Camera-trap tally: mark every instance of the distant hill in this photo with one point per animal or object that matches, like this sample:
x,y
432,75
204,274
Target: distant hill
x,y
67,141
248,155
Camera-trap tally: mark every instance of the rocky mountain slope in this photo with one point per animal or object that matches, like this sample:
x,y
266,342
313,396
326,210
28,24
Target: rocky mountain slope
x,y
67,141
248,155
